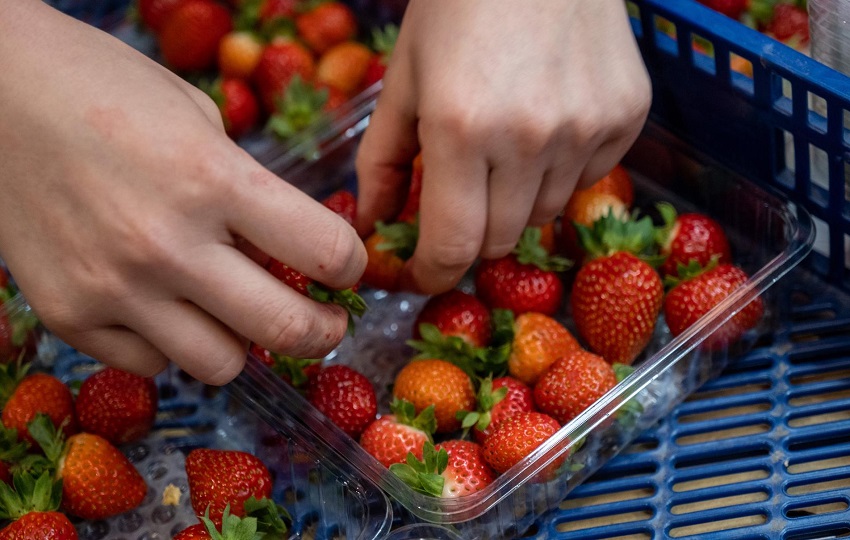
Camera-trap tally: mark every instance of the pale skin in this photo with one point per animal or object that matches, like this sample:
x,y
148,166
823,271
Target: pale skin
x,y
129,219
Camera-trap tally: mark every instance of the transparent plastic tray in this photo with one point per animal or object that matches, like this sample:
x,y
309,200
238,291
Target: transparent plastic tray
x,y
769,237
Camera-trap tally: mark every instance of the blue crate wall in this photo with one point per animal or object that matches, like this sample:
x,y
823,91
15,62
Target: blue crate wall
x,y
100,13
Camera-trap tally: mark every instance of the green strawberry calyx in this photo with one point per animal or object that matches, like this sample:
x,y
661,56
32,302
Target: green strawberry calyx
x,y
10,376
487,398
292,368
301,106
400,237
454,349
29,494
611,234
405,414
272,518
384,40
529,250
687,272
353,303
232,527
425,475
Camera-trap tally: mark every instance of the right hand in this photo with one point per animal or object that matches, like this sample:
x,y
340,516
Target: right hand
x,y
125,211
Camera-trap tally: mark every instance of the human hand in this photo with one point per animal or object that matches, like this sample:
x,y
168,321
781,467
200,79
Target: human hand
x,y
513,105
130,219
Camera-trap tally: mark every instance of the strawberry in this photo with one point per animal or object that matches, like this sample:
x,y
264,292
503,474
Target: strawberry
x,y
345,396
98,481
190,36
383,42
690,236
295,371
240,110
730,8
584,207
344,66
301,105
238,54
789,24
516,438
326,25
538,341
12,451
263,519
276,10
452,469
390,438
219,479
33,508
279,63
498,399
343,203
409,213
17,333
198,531
456,313
387,249
439,383
523,281
26,395
119,406
347,298
616,296
153,13
573,383
700,290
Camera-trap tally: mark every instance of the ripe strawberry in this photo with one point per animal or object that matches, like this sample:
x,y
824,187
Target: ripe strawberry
x,y
295,371
390,438
238,54
523,281
274,10
26,395
17,329
730,8
326,25
498,399
516,438
190,36
263,519
32,506
383,43
439,383
616,296
387,249
538,341
699,291
789,24
279,63
452,469
98,481
198,531
301,105
456,313
344,66
240,110
153,13
584,207
221,478
343,203
409,213
119,406
345,396
691,236
572,384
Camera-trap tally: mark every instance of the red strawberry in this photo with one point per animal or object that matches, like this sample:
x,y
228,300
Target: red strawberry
x,y
198,531
789,24
12,450
190,36
343,203
516,438
326,25
301,105
523,281
387,249
345,396
119,406
383,42
730,8
295,371
32,506
690,236
279,63
222,478
98,481
700,291
439,383
572,384
26,395
264,519
390,438
456,313
272,10
538,341
240,110
498,399
453,469
153,13
410,211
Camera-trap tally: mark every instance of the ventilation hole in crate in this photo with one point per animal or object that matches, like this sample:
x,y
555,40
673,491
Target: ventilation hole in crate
x,y
754,362
666,36
608,498
781,93
167,391
818,106
740,65
714,393
641,446
800,298
826,507
727,412
702,529
721,480
817,419
835,531
799,467
720,502
714,458
634,13
606,520
634,470
838,484
820,439
814,399
817,313
177,412
819,173
530,533
809,378
703,53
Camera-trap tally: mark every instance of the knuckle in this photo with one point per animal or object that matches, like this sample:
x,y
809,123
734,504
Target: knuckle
x,y
289,330
340,255
453,256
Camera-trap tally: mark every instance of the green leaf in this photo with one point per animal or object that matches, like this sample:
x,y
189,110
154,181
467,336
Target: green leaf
x,y
400,237
271,517
529,250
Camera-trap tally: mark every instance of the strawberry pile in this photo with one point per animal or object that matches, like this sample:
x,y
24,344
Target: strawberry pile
x,y
59,449
282,64
536,337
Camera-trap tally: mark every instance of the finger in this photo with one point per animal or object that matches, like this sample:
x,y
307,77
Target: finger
x,y
513,189
386,152
603,160
120,348
452,218
201,345
558,184
252,302
290,226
